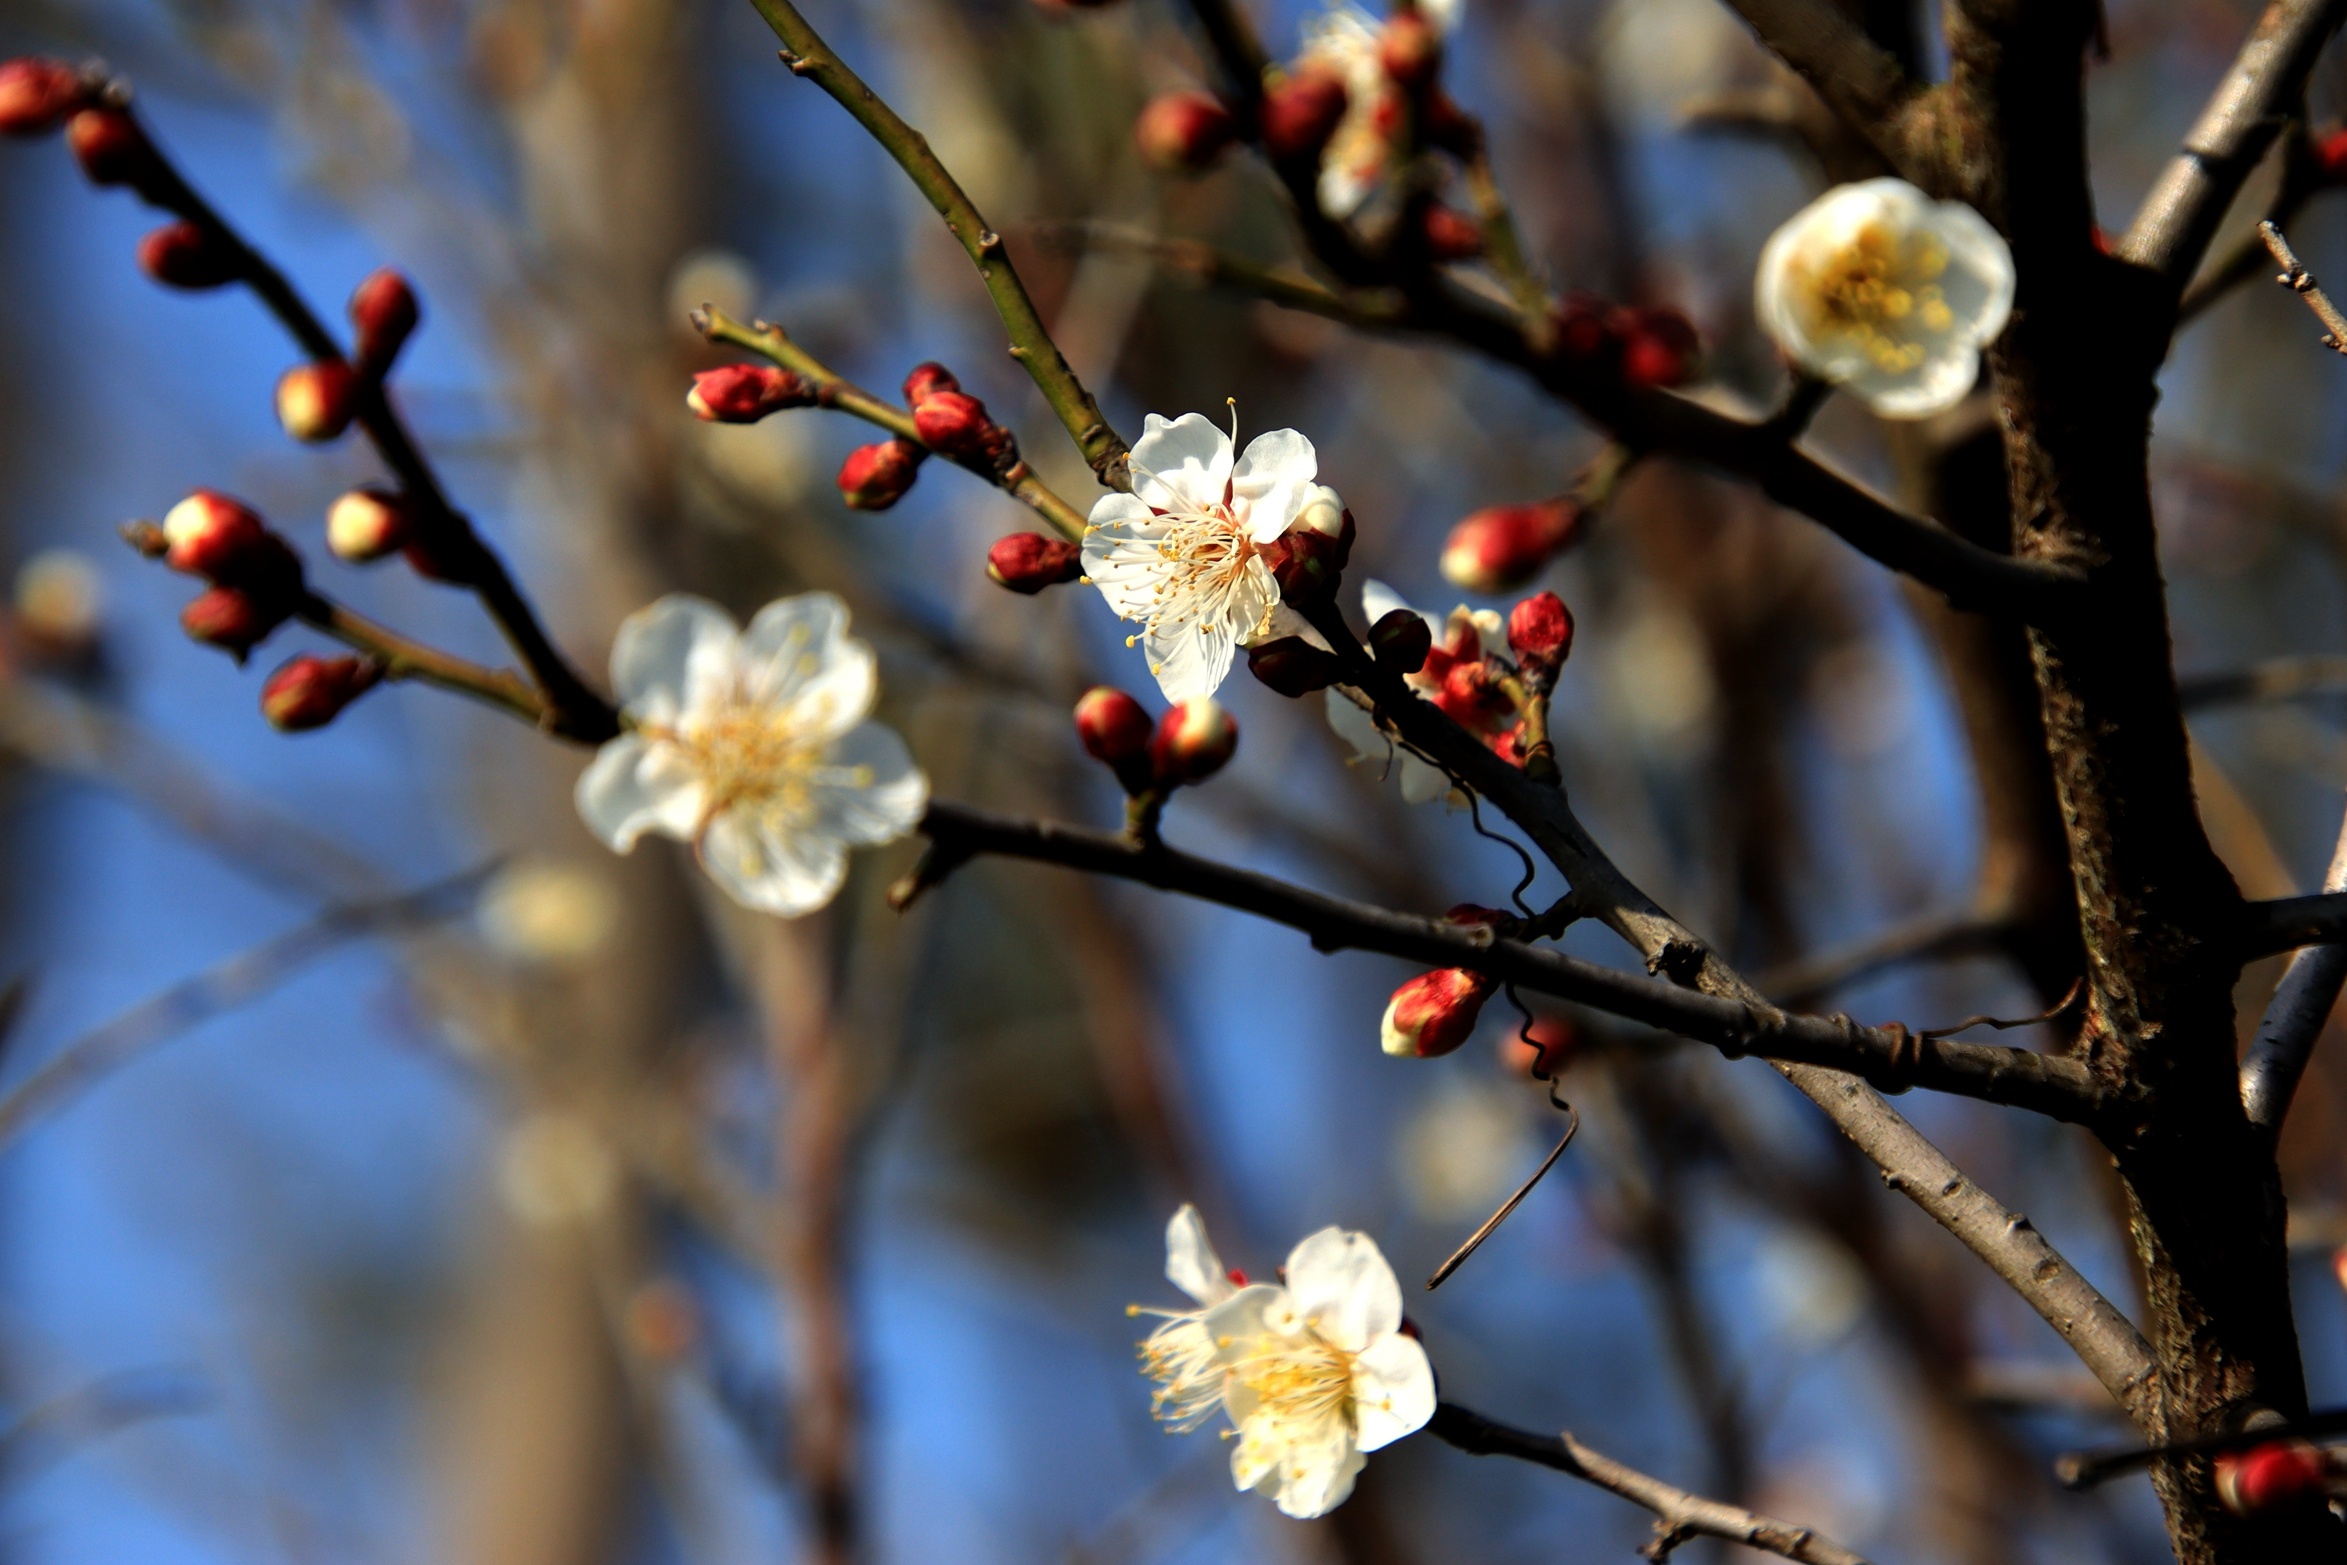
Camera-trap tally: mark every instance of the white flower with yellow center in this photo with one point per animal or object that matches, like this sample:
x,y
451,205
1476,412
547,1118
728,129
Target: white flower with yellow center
x,y
752,746
1183,553
1313,1374
1887,293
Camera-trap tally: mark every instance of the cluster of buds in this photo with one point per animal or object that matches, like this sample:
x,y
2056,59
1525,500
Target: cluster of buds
x,y
1500,697
1435,1012
255,577
2279,1475
1640,345
1188,744
954,424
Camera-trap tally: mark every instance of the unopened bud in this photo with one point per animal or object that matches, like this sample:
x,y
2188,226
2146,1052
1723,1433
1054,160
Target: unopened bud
x,y
1293,666
109,146
187,255
1300,114
1410,50
366,525
1401,639
316,401
1194,740
1450,235
875,477
746,393
1115,729
1658,346
927,380
2268,1477
1434,1013
1309,558
36,95
208,534
1583,328
954,425
311,691
1475,696
2328,154
1540,633
384,311
1030,562
1184,132
231,619
1504,546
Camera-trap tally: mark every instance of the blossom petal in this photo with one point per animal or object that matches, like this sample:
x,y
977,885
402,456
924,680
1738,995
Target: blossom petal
x,y
1122,556
1343,1288
1421,780
1190,661
1247,611
1239,1323
635,785
879,801
1356,727
674,655
1393,1391
1378,600
1316,1475
768,869
1181,464
1190,1262
1257,1455
1272,477
798,658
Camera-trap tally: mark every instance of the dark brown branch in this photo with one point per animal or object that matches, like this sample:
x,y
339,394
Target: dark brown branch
x,y
572,708
2173,227
2286,923
1890,1056
2281,679
1678,1515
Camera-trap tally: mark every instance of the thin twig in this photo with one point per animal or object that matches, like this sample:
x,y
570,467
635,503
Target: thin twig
x,y
2279,679
807,55
834,390
2294,1020
1933,937
402,658
2300,281
241,978
1204,265
1678,1515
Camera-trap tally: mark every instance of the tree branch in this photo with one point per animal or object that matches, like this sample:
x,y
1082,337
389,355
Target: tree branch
x,y
1678,1515
2280,679
2286,923
2173,227
402,658
2294,1020
834,390
1859,80
1929,938
2300,281
807,55
1890,1055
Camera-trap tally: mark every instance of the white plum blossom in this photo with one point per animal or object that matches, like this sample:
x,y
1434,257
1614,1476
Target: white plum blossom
x,y
1343,41
753,746
1183,553
1465,631
1313,1373
1887,293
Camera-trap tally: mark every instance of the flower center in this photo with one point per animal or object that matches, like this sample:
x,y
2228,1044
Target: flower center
x,y
1881,290
1204,557
750,755
1300,1379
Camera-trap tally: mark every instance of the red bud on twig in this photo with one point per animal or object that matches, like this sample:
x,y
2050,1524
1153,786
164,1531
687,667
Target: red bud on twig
x,y
1030,562
2269,1477
1293,666
1300,114
311,691
1449,234
926,380
1540,633
1401,640
1658,346
231,619
746,393
187,255
1504,546
1434,1013
1115,730
1309,558
875,477
367,524
36,95
316,402
1194,740
384,311
954,425
110,147
1184,132
211,535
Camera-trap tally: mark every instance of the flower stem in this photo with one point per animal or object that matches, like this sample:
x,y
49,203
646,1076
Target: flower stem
x,y
402,658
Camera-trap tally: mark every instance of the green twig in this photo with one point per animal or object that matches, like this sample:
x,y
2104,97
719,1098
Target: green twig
x,y
805,52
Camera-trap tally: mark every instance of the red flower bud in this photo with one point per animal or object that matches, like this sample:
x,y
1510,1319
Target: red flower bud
x,y
315,402
875,477
1410,50
1300,114
311,691
1030,562
1475,696
954,425
1584,328
36,95
746,393
231,619
1450,235
926,381
366,525
1504,546
110,147
1401,639
208,534
1309,558
1658,346
2328,154
1540,633
2269,1477
1194,740
384,310
1293,666
1115,730
1183,132
187,255
1434,1013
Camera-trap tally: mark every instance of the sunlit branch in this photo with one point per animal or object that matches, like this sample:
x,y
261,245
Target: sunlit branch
x,y
2294,1019
573,708
807,55
834,390
2173,227
2300,281
402,658
1679,1517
